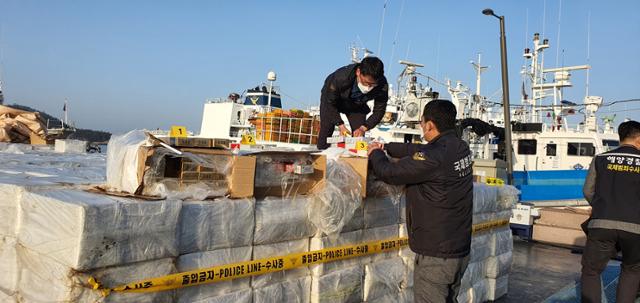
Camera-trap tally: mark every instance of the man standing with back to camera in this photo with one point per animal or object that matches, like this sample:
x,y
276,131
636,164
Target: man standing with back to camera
x,y
438,176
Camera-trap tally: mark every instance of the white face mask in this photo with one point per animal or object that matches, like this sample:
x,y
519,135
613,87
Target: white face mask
x,y
363,88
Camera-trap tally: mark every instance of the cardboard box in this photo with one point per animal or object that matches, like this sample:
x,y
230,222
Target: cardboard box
x,y
197,142
521,214
315,180
559,235
565,217
360,165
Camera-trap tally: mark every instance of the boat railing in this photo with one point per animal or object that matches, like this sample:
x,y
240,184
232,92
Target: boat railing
x,y
297,130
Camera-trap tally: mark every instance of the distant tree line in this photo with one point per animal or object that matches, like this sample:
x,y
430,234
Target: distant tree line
x,y
79,134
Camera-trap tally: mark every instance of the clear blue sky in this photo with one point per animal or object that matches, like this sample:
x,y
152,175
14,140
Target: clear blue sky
x,y
148,64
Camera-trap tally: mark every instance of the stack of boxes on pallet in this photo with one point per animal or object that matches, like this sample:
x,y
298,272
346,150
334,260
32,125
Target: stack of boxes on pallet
x,y
561,225
487,275
64,235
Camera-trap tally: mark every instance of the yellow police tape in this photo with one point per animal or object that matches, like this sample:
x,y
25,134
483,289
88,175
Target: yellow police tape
x,y
267,265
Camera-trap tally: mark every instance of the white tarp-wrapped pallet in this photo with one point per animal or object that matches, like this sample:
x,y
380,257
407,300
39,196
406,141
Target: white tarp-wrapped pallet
x,y
88,231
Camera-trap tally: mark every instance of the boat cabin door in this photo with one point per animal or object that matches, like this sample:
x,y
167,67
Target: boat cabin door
x,y
550,160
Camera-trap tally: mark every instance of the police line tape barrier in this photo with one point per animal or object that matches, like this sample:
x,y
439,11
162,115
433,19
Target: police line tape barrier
x,y
268,265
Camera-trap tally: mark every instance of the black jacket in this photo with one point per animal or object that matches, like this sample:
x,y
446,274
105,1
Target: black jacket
x,y
612,188
336,97
439,183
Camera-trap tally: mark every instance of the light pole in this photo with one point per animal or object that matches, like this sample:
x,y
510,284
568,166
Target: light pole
x,y
505,95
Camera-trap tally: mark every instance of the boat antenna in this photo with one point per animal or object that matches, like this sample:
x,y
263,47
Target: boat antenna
x,y
558,38
588,50
384,12
395,37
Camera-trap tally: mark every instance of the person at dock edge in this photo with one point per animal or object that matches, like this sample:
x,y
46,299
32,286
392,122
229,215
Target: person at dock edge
x,y
347,91
612,188
438,176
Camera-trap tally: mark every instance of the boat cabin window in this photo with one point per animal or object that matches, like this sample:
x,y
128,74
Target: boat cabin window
x,y
610,144
551,149
580,149
527,146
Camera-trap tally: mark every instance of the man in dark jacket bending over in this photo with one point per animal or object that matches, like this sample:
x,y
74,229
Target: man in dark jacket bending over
x,y
439,183
347,91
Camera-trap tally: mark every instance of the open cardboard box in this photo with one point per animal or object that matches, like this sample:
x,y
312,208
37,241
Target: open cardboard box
x,y
241,177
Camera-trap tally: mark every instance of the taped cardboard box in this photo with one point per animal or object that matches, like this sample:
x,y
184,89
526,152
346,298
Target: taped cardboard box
x,y
338,286
360,166
275,173
295,290
209,259
559,235
43,279
216,224
564,217
280,249
86,231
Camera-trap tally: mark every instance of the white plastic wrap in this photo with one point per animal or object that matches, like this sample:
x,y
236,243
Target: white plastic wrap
x,y
122,161
383,277
487,217
349,238
202,175
356,222
282,219
406,296
475,294
8,298
8,265
241,296
497,266
481,247
70,146
380,211
333,206
378,234
44,280
279,249
508,196
497,288
339,286
475,273
485,198
271,172
86,231
290,291
409,266
403,210
209,259
501,241
210,225
377,188
406,251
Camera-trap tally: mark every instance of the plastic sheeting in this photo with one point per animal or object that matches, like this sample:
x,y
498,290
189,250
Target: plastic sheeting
x,y
481,247
497,288
8,265
122,161
271,172
497,266
333,207
475,294
409,265
349,238
508,196
70,146
210,225
485,198
282,219
501,241
45,280
241,296
356,222
381,211
405,251
279,249
202,175
86,231
339,286
383,277
209,259
474,273
378,234
290,291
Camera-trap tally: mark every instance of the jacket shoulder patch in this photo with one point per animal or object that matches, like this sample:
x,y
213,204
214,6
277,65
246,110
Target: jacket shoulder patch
x,y
419,156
